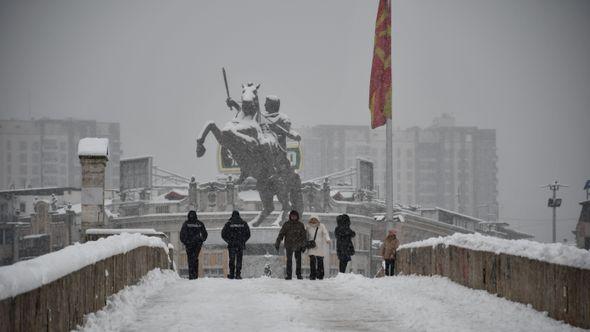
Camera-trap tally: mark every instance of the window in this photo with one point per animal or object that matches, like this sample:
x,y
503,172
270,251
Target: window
x,y
23,207
50,156
50,144
8,144
22,145
50,181
8,236
162,209
35,146
50,169
23,158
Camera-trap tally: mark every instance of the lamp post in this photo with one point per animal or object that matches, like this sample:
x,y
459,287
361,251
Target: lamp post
x,y
554,202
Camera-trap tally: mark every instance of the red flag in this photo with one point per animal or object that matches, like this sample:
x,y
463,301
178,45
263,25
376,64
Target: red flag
x,y
380,88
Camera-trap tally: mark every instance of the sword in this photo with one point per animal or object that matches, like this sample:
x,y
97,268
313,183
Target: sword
x,y
226,88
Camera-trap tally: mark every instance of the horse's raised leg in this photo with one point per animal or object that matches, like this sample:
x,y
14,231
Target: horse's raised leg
x,y
209,127
295,195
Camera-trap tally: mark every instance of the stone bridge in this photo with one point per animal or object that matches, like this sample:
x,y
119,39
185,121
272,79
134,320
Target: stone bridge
x,y
85,287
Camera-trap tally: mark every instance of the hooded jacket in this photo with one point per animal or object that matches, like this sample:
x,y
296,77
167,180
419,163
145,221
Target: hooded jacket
x,y
235,232
344,235
293,231
193,232
322,238
389,246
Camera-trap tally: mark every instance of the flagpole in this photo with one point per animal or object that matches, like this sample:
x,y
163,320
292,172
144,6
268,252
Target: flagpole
x,y
388,173
389,154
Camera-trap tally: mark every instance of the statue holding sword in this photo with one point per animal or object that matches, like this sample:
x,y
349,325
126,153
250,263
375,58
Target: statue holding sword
x,y
257,142
279,123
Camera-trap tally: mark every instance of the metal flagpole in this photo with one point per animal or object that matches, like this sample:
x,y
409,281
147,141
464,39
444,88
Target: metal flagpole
x,y
388,173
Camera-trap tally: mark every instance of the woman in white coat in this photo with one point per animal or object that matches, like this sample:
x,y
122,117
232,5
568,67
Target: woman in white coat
x,y
316,255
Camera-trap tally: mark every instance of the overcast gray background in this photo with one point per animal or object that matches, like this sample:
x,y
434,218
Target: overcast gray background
x,y
521,67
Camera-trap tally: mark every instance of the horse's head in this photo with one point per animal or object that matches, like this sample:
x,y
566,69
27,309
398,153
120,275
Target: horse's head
x,y
250,103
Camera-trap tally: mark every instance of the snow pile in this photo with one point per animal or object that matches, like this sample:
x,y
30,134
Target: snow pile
x,y
27,275
349,302
106,231
555,253
121,307
93,146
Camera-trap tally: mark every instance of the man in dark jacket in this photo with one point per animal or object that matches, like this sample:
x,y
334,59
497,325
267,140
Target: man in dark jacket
x,y
192,235
235,232
293,231
344,246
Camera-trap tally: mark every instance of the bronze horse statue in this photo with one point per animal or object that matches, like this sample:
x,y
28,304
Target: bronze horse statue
x,y
257,152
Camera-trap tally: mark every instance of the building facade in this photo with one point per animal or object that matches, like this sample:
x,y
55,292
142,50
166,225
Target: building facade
x,y
443,165
48,227
44,152
582,231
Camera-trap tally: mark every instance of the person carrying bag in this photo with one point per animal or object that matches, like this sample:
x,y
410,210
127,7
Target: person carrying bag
x,y
316,248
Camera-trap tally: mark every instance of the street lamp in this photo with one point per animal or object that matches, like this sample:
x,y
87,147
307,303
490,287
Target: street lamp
x,y
554,202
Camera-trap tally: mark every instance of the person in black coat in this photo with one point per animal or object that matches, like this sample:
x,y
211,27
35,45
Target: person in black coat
x,y
344,246
192,234
235,232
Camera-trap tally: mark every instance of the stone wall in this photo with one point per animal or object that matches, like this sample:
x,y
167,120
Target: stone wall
x,y
561,291
62,304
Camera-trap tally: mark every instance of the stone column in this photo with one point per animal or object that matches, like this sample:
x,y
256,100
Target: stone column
x,y
93,153
193,203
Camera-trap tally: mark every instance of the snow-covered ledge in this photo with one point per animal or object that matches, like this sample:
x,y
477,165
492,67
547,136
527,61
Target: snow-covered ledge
x,y
56,290
550,277
555,253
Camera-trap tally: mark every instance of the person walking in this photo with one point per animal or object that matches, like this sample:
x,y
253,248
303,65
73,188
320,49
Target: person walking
x,y
344,246
293,231
317,232
235,233
388,251
192,234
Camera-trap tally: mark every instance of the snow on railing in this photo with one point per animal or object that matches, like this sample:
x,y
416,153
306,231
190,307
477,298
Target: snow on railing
x,y
27,275
555,253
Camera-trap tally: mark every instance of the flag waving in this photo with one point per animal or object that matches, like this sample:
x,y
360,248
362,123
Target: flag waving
x,y
380,88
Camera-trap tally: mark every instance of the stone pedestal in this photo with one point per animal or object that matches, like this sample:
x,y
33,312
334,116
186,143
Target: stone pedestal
x,y
93,178
93,153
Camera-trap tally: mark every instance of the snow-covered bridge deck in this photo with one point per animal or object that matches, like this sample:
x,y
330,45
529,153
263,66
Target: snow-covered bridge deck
x,y
164,302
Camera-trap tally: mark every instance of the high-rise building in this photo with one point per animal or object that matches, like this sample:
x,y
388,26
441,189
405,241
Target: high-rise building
x,y
44,152
444,165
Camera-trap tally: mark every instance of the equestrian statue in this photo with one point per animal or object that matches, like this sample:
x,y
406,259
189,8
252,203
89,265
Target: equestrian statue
x,y
257,142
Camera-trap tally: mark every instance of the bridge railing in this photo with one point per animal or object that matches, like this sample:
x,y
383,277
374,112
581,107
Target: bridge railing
x,y
556,283
55,291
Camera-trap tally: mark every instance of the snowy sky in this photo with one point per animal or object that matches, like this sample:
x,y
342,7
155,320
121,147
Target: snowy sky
x,y
520,67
